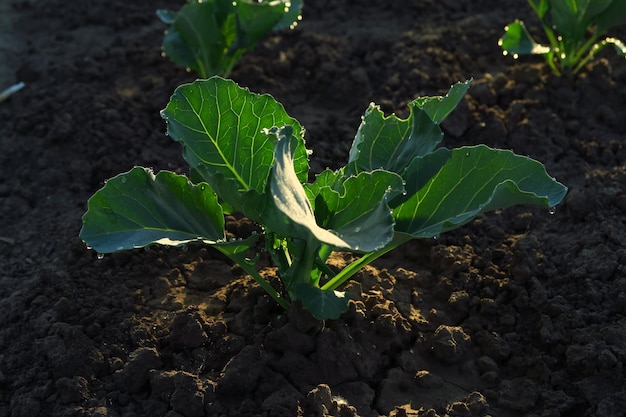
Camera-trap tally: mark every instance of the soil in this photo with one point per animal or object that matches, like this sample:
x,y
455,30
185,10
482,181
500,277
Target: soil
x,y
520,313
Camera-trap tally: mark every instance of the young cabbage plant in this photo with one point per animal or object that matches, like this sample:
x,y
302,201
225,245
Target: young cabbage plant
x,y
247,155
210,36
574,29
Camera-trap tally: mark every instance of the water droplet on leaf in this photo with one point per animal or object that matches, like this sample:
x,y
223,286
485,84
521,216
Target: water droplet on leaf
x,y
100,256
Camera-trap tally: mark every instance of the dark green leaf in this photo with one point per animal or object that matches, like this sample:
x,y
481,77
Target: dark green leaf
x,y
137,208
255,20
390,143
469,181
322,304
518,41
357,216
439,107
210,36
291,213
199,35
292,16
355,207
613,15
221,127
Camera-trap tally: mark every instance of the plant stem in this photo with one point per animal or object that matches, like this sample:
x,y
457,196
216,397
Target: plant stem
x,y
241,260
303,262
364,260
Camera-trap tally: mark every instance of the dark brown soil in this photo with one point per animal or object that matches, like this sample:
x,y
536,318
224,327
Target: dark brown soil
x,y
520,313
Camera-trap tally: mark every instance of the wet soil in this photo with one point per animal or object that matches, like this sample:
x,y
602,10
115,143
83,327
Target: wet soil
x,y
520,313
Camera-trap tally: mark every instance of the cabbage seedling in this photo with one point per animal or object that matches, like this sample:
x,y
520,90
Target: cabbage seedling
x,y
574,29
247,155
210,36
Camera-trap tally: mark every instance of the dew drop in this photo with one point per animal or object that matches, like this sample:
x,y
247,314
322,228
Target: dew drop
x,y
357,229
436,237
89,247
123,180
100,255
515,56
552,210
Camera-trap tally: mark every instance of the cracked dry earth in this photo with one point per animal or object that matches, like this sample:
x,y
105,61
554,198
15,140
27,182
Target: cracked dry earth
x,y
520,313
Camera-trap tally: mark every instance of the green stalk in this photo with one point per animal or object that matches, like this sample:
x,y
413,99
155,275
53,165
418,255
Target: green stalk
x,y
303,262
241,260
363,261
591,49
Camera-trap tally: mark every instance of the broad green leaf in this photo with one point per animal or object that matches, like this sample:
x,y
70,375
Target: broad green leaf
x,y
571,19
419,172
613,15
472,180
390,143
294,214
439,107
357,215
292,16
518,41
137,208
237,247
199,36
254,21
322,304
355,207
222,129
210,36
